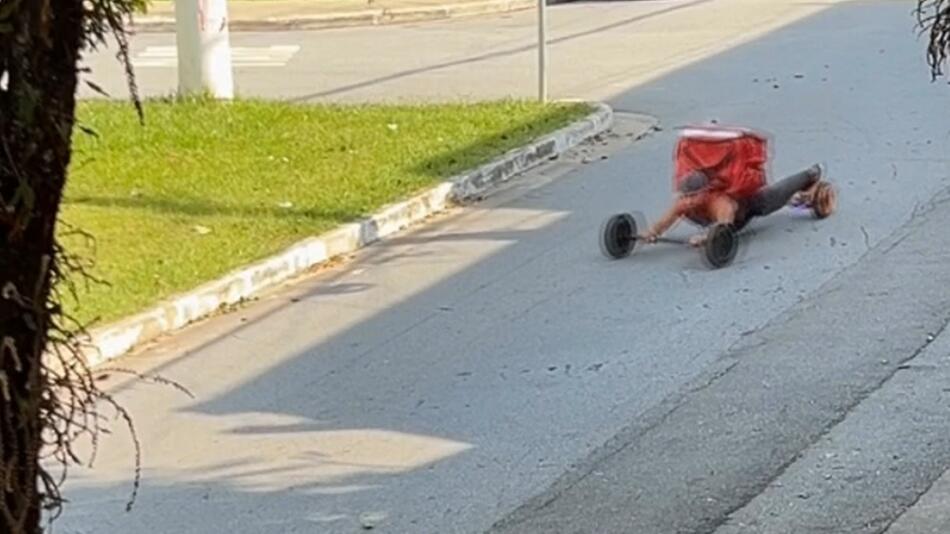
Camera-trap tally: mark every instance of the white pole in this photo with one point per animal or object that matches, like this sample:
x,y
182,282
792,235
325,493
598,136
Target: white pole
x,y
204,48
542,51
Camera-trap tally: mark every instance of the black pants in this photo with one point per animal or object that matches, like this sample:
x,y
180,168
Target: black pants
x,y
773,197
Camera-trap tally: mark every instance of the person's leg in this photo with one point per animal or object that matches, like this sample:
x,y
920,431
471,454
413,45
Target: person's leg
x,y
774,197
720,209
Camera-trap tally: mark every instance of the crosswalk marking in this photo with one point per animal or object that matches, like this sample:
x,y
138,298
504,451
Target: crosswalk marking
x,y
241,56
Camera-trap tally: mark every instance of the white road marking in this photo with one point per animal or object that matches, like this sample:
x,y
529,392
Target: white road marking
x,y
262,56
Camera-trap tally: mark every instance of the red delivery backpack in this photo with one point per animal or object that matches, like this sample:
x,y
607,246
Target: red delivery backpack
x,y
734,159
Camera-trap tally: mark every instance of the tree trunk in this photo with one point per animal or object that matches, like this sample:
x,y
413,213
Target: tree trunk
x,y
39,51
933,17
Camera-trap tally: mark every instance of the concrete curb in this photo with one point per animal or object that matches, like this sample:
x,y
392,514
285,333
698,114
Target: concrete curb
x,y
368,17
112,341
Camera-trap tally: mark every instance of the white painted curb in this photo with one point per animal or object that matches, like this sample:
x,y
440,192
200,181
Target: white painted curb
x,y
112,341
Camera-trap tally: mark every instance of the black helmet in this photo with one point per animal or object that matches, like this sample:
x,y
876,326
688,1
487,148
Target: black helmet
x,y
694,182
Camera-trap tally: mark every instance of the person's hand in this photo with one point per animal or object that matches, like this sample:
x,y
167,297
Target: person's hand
x,y
649,236
697,240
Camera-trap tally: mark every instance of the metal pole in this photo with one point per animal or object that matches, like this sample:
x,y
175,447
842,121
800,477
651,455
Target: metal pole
x,y
542,51
204,48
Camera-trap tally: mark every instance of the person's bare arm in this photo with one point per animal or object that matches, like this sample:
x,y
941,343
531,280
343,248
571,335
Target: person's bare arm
x,y
668,219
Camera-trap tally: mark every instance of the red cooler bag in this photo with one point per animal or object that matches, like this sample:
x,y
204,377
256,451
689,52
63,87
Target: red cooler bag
x,y
734,159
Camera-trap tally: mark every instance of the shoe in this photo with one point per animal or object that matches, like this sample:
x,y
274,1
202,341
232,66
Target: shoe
x,y
806,198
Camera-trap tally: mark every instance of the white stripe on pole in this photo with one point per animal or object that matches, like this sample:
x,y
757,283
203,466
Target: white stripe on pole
x,y
204,48
542,51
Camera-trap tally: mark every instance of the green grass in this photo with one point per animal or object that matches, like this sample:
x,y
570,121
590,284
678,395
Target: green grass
x,y
259,176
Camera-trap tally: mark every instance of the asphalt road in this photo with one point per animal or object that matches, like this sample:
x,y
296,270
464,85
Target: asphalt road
x,y
493,371
597,50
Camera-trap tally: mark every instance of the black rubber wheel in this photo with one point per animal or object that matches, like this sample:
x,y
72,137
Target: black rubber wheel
x,y
618,236
722,244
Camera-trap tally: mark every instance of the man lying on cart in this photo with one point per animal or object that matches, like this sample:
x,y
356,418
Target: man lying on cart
x,y
720,178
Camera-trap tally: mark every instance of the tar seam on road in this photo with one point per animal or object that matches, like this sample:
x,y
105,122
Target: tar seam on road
x,y
755,491
492,55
